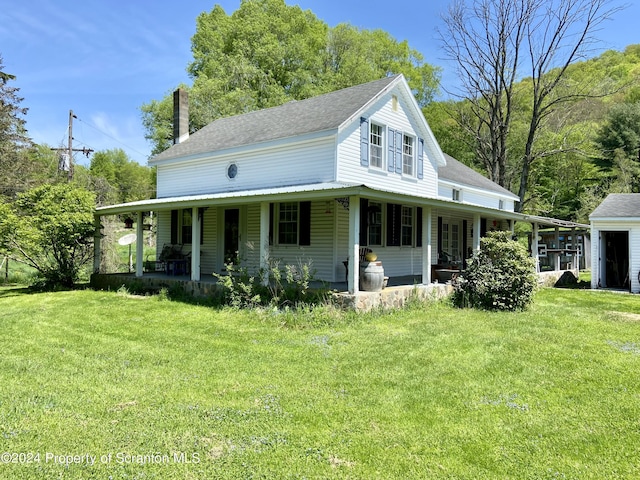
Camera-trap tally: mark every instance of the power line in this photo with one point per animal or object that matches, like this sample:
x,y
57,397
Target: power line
x,y
112,137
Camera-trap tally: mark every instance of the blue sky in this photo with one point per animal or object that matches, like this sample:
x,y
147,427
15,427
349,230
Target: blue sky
x,y
104,59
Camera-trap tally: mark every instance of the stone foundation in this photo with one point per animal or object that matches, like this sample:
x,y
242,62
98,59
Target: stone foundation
x,y
392,297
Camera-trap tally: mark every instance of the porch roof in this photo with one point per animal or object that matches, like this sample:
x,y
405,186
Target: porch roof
x,y
320,191
297,192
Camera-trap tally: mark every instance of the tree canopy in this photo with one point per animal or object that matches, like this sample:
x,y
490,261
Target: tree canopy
x,y
267,53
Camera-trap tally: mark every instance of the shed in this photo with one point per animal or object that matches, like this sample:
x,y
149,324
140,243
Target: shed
x,y
615,245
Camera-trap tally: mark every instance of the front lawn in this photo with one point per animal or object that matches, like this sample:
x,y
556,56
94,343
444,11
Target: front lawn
x,y
152,389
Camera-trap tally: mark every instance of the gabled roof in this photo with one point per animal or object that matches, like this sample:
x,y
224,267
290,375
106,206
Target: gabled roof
x,y
618,205
316,114
458,172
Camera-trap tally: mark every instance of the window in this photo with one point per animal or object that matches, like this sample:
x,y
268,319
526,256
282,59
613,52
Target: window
x,y
455,195
288,224
375,145
450,242
292,221
400,225
501,204
182,226
407,226
407,155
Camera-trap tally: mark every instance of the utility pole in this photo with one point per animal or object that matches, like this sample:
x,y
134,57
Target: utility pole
x,y
69,150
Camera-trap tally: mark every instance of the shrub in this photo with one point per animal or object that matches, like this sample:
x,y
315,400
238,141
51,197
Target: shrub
x,y
501,276
286,285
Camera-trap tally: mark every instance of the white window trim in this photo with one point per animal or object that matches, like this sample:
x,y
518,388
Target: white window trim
x,y
413,145
382,146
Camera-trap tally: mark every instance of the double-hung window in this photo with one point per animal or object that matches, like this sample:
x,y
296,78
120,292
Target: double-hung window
x,y
375,145
288,223
408,149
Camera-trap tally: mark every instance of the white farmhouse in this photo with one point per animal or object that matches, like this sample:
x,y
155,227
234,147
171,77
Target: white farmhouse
x,y
317,181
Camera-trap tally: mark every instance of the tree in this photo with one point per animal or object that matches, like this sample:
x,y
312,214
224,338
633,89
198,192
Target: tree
x,y
495,44
50,228
14,142
268,53
621,130
116,178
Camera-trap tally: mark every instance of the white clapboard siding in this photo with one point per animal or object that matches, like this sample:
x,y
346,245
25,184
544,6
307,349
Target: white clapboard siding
x,y
209,247
351,171
319,255
289,164
163,236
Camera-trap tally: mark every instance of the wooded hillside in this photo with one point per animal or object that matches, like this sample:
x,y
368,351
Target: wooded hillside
x,y
594,141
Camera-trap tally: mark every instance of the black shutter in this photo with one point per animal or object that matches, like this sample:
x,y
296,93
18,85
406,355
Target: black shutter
x,y
439,237
393,224
465,244
419,227
305,223
364,222
271,214
483,227
174,227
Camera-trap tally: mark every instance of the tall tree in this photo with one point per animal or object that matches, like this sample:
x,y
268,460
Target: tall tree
x,y
497,43
14,142
117,178
267,53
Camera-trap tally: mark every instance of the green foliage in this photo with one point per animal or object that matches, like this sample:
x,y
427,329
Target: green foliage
x,y
50,228
276,286
267,53
501,276
117,179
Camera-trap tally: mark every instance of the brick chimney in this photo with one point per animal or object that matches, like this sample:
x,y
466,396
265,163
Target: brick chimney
x,y
180,116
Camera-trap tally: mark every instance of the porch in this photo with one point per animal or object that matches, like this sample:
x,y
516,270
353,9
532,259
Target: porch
x,y
399,290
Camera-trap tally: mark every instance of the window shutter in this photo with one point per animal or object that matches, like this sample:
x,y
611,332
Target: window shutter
x,y
439,237
394,225
483,227
364,142
419,227
174,227
364,222
420,158
271,218
391,136
398,152
305,223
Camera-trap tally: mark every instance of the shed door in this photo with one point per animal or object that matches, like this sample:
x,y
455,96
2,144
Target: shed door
x,y
615,260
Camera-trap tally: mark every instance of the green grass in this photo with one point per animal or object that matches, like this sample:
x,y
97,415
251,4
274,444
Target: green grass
x,y
428,392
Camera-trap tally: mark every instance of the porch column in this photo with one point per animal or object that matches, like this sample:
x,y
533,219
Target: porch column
x,y
196,226
558,255
139,244
97,246
476,232
426,245
263,249
354,243
534,246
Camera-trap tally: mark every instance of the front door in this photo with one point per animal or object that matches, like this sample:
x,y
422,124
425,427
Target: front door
x,y
616,260
231,235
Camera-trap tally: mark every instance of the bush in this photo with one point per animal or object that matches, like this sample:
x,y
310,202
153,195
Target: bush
x,y
286,286
501,276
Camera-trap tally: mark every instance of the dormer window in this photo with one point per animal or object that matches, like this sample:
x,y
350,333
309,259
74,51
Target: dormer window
x,y
375,145
455,195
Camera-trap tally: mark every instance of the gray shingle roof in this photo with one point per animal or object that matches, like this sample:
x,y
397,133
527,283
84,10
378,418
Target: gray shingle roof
x,y
618,205
316,114
458,172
